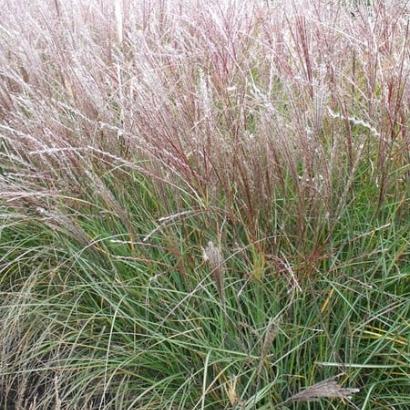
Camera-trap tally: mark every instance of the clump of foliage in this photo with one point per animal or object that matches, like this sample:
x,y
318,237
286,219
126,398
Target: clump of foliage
x,y
204,205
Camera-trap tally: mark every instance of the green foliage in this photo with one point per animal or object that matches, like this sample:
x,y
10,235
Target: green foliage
x,y
204,207
127,324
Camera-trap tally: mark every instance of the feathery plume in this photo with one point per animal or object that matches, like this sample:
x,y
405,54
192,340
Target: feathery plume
x,y
213,256
328,388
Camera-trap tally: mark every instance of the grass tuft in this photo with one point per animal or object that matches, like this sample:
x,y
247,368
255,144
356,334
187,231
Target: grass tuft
x,y
204,205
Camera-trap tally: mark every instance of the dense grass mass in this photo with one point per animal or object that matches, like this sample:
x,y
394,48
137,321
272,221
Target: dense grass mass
x,y
204,204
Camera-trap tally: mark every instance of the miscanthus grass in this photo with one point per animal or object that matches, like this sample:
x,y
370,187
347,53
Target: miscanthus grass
x,y
204,205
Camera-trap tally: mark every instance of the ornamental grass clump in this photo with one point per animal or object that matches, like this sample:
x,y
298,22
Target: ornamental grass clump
x,y
204,204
